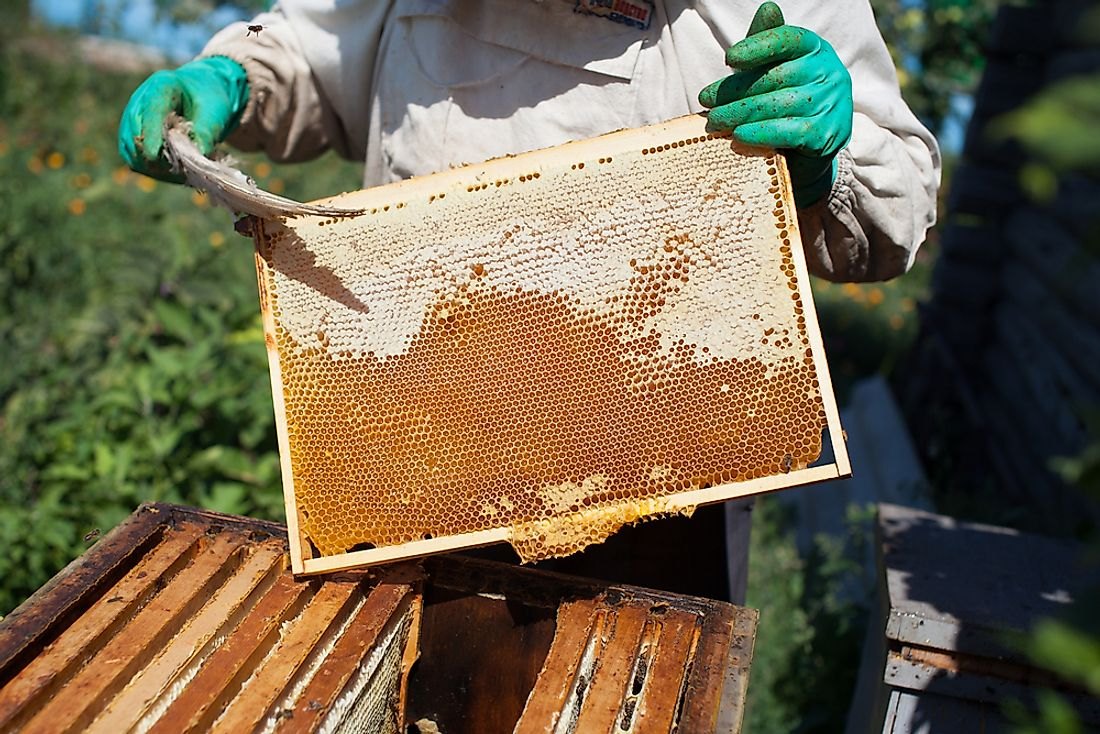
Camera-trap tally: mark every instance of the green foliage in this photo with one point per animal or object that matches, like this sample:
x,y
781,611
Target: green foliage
x,y
937,46
811,626
135,367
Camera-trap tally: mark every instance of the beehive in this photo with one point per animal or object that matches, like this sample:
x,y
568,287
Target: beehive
x,y
542,348
186,621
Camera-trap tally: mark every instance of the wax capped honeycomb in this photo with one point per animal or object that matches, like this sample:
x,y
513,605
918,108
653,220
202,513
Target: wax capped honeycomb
x,y
542,348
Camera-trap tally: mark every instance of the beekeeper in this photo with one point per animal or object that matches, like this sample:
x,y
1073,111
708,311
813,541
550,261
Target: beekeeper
x,y
416,86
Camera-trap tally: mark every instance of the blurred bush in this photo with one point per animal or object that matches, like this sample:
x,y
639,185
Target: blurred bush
x,y
134,366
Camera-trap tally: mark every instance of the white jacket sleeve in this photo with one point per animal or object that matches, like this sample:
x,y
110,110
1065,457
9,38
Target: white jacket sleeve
x,y
300,106
884,197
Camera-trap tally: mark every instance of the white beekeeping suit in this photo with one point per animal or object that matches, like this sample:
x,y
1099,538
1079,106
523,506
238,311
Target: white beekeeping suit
x,y
416,86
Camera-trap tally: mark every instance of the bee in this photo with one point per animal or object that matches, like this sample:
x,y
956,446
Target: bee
x,y
787,461
89,537
253,29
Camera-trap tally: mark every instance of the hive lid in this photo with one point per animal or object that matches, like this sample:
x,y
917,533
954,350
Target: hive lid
x,y
542,348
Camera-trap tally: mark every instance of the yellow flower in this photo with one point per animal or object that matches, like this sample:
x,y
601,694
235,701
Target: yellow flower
x,y
80,127
876,296
276,186
89,154
217,239
263,169
896,322
34,165
77,207
55,160
82,181
908,304
198,198
3,148
146,184
120,175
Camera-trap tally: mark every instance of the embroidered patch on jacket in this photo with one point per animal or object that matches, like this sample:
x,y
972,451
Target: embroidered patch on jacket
x,y
636,13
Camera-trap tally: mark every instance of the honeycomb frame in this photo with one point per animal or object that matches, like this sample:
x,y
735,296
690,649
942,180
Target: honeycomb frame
x,y
299,265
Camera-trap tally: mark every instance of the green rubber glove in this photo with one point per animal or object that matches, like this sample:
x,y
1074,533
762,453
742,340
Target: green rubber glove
x,y
211,93
789,91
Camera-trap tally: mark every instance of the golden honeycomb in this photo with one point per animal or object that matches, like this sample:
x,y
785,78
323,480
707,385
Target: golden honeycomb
x,y
553,344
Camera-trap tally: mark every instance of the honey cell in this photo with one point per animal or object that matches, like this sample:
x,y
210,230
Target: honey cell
x,y
558,358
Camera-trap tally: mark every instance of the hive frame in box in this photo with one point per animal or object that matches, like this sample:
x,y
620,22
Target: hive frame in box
x,y
303,558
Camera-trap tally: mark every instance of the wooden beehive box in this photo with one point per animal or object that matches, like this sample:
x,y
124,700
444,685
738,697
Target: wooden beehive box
x,y
957,599
543,348
186,620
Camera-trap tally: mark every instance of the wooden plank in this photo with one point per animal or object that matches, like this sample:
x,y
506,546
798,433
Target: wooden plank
x,y
999,582
276,674
910,714
223,673
607,689
974,678
219,615
53,607
577,622
73,708
659,700
701,705
59,661
731,705
386,607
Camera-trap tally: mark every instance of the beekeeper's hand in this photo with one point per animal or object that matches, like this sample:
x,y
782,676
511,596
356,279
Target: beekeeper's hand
x,y
789,91
210,92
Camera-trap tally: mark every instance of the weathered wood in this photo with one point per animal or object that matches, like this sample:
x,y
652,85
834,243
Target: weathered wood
x,y
224,672
701,711
911,714
964,587
601,700
577,622
386,606
260,694
226,640
73,708
58,661
53,607
657,707
219,615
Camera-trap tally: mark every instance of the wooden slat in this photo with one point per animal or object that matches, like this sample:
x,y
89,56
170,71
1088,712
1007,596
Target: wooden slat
x,y
277,673
51,609
220,613
59,661
657,706
386,606
607,689
731,699
223,673
706,681
74,706
577,621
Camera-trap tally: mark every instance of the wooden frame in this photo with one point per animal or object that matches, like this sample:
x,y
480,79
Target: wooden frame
x,y
691,128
